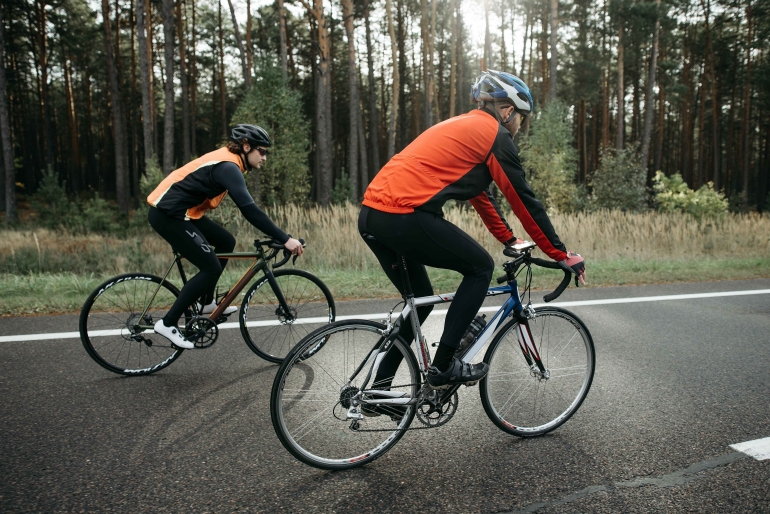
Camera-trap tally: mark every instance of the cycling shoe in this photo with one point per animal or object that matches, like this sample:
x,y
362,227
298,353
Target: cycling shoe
x,y
458,373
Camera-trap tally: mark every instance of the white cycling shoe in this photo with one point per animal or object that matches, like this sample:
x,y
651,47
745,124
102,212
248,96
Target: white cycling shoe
x,y
208,309
174,335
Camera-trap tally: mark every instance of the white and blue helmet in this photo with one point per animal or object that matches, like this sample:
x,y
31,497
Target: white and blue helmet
x,y
498,86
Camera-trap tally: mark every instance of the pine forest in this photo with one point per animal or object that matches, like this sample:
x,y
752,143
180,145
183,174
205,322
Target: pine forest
x,y
96,94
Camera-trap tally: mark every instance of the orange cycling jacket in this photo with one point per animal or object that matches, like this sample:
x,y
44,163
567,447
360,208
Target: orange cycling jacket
x,y
459,159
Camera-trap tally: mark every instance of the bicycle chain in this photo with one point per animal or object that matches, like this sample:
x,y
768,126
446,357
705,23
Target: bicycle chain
x,y
399,429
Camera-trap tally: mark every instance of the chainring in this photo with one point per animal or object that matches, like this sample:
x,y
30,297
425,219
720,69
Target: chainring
x,y
203,332
432,412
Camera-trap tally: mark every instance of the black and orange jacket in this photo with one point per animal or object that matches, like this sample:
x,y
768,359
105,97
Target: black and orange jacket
x,y
459,159
188,192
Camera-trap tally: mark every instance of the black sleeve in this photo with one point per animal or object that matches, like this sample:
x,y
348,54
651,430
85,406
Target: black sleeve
x,y
507,172
229,176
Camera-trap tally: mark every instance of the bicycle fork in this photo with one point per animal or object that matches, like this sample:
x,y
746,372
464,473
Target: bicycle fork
x,y
528,348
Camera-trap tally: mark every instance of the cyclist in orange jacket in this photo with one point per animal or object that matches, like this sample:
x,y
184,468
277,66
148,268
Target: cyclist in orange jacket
x,y
402,215
177,208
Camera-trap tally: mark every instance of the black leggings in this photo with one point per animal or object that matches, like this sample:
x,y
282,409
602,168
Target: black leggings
x,y
428,239
197,241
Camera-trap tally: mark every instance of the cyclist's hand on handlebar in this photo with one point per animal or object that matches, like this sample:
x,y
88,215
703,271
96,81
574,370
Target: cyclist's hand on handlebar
x,y
576,264
294,246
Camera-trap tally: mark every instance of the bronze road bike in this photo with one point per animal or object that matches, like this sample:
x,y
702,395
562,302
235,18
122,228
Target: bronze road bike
x,y
277,311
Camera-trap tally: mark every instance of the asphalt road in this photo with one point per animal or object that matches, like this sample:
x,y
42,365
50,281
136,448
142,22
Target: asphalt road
x,y
676,383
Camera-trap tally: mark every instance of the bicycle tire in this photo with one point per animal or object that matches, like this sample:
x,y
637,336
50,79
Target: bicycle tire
x,y
264,326
306,400
107,322
521,401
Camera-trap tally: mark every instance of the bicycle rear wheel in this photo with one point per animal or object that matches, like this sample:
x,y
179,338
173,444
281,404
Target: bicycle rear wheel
x,y
269,331
313,392
520,399
113,333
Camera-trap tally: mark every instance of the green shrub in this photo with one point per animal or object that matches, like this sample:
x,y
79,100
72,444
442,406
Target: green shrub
x,y
550,159
619,182
343,190
53,207
673,195
273,105
153,176
98,215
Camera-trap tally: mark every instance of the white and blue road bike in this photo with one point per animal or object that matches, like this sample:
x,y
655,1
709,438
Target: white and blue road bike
x,y
330,412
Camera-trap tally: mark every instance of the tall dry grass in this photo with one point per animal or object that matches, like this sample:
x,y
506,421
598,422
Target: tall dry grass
x,y
334,243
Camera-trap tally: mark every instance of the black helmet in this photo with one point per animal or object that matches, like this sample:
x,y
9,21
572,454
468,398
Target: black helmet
x,y
254,134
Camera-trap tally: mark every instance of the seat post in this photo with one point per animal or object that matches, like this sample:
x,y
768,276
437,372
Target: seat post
x,y
405,277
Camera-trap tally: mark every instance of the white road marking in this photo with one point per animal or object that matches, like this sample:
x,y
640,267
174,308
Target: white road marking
x,y
436,312
758,448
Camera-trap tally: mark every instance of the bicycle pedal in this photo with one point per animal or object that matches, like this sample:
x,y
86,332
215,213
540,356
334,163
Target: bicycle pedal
x,y
471,384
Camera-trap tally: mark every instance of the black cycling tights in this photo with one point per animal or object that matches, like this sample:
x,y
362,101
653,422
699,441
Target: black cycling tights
x,y
428,239
197,241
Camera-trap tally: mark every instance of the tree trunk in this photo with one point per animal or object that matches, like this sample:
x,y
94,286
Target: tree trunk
x,y
716,152
453,60
396,81
621,92
354,113
701,125
168,116
70,107
430,87
503,54
42,51
244,61
648,96
661,120
424,21
323,104
282,33
11,215
605,109
687,59
222,98
747,109
249,46
524,43
194,84
544,84
487,62
121,175
374,118
185,86
149,23
554,49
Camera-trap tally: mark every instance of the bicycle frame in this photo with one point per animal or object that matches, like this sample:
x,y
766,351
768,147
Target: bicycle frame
x,y
512,306
259,264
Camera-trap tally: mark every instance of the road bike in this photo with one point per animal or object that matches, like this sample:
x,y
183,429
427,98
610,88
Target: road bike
x,y
331,409
281,307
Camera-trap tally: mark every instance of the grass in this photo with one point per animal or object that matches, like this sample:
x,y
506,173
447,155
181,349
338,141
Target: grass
x,y
44,271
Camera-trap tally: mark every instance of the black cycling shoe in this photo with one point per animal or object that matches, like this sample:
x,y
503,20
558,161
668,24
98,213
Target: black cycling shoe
x,y
458,373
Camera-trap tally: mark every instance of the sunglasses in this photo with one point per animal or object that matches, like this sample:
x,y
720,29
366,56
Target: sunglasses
x,y
262,151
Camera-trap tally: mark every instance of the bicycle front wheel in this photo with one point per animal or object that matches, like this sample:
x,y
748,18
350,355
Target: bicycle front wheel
x,y
115,334
520,398
316,393
271,332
